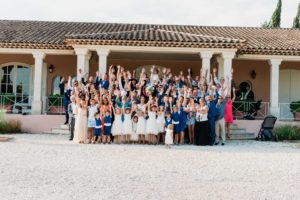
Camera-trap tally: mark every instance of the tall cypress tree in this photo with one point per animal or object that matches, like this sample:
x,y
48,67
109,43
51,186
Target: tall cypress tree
x,y
276,17
296,23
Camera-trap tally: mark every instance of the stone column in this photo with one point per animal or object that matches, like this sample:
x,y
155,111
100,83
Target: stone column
x,y
102,53
36,105
206,56
220,61
83,57
227,67
274,86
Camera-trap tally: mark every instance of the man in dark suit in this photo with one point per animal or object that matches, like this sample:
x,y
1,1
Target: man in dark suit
x,y
101,81
66,92
249,94
211,102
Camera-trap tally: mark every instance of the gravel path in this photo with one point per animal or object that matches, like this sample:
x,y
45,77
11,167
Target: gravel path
x,y
50,167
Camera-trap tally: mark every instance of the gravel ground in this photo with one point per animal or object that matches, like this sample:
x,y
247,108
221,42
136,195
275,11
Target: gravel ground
x,y
50,167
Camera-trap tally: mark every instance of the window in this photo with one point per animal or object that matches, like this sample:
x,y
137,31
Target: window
x,y
16,79
55,85
7,77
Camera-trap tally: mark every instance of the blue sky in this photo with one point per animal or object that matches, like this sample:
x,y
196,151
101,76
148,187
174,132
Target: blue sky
x,y
197,12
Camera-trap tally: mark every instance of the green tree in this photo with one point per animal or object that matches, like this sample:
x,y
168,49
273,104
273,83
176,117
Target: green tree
x,y
296,23
266,24
276,17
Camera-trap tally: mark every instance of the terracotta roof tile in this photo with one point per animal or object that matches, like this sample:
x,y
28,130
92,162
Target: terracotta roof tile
x,y
153,37
41,34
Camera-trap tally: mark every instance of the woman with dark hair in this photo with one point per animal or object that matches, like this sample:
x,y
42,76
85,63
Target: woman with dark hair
x,y
201,134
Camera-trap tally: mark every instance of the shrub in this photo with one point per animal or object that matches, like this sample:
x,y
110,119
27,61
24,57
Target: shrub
x,y
2,115
287,132
11,126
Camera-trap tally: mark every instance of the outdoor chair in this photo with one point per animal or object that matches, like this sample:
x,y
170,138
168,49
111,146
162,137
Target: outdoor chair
x,y
266,130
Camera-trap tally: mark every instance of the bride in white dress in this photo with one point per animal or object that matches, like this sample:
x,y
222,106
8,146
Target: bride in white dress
x,y
81,128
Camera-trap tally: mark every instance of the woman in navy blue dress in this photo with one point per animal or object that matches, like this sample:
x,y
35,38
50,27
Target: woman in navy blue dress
x,y
176,122
97,128
107,127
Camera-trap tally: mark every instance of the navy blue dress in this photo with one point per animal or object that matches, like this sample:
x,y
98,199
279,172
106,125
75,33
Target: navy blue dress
x,y
182,119
107,125
98,126
168,121
176,122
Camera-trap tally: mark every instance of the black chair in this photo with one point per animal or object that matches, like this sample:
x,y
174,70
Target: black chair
x,y
265,132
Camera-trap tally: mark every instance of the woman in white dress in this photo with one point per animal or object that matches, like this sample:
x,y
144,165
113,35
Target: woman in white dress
x,y
116,129
127,125
141,127
151,128
134,136
169,136
81,128
160,124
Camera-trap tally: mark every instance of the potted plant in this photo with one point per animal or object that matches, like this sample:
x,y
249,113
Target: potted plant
x,y
295,109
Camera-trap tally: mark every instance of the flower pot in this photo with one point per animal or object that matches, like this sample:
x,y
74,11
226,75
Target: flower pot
x,y
296,116
8,108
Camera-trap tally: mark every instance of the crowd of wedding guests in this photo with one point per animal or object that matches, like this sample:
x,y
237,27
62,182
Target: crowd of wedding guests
x,y
158,107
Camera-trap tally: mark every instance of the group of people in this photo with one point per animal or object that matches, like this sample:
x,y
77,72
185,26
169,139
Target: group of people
x,y
154,108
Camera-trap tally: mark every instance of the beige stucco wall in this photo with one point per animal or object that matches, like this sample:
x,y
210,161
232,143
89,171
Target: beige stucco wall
x,y
64,65
261,84
22,58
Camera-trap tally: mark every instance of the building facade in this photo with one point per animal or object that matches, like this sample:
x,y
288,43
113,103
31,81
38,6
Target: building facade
x,y
35,54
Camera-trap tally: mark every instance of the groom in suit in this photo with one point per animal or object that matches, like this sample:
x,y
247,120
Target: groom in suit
x,y
66,92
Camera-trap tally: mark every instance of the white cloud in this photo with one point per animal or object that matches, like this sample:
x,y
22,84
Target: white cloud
x,y
199,12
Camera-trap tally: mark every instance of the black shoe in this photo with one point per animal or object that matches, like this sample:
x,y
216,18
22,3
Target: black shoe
x,y
70,139
66,123
223,144
216,143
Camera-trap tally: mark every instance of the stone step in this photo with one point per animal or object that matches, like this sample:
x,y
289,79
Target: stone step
x,y
60,131
236,128
65,127
238,131
242,136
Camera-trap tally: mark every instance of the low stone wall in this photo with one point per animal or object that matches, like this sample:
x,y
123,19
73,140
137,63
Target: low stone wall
x,y
37,123
41,123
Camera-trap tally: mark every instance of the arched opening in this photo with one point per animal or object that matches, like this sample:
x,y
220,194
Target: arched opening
x,y
55,85
16,80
